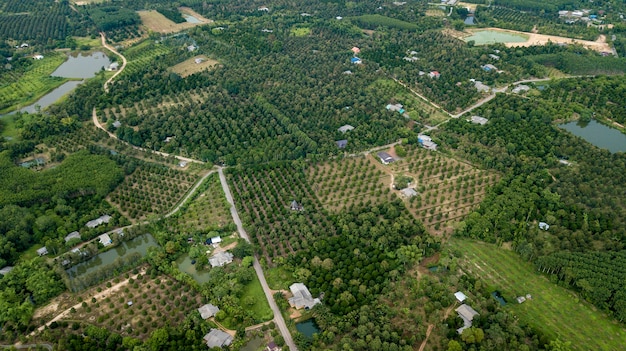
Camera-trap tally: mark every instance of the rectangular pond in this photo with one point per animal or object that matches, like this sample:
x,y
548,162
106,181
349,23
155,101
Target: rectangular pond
x,y
191,19
598,134
308,328
485,37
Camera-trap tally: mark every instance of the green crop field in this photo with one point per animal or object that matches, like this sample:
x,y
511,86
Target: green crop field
x,y
553,310
142,55
22,89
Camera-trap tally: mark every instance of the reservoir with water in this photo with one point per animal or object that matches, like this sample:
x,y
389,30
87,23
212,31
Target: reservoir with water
x,y
191,19
598,134
485,37
308,328
184,264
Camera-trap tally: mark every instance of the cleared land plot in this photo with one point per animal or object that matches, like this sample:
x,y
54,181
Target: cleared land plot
x,y
21,89
193,65
151,189
207,210
448,189
552,309
156,22
349,181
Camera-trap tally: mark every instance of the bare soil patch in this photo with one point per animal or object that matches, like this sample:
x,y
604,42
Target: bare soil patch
x,y
193,65
156,22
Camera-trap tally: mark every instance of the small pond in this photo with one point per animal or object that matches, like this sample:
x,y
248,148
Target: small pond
x,y
485,37
82,66
139,244
308,328
185,265
191,19
253,345
496,295
598,134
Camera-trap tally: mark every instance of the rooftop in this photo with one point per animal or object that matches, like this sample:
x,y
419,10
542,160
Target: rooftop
x,y
409,192
208,311
105,239
302,297
479,120
345,128
342,143
100,220
220,259
72,235
6,270
217,338
460,296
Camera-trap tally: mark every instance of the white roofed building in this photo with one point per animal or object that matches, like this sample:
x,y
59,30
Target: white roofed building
x,y
302,298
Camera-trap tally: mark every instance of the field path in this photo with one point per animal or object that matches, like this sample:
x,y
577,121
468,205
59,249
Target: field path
x,y
278,317
124,62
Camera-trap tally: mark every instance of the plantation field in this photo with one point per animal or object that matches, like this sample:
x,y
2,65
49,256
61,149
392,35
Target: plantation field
x,y
151,189
156,22
448,189
264,195
208,208
189,66
552,309
157,301
22,89
416,108
349,181
142,54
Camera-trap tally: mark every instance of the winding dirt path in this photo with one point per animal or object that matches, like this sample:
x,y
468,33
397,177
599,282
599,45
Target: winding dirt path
x,y
112,49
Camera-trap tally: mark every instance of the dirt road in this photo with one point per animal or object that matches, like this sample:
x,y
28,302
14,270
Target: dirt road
x,y
112,49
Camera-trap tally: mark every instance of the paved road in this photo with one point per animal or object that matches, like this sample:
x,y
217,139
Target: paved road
x,y
278,317
112,49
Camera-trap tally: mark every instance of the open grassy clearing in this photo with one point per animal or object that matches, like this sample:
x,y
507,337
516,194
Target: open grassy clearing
x,y
156,22
207,210
300,31
416,108
151,189
19,90
349,181
448,189
193,65
155,301
261,308
278,278
553,310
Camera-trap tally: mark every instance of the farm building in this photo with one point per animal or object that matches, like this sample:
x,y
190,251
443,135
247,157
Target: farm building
x,y
345,128
42,251
342,143
113,67
479,120
467,314
426,142
395,107
214,240
24,45
355,60
408,192
481,87
301,297
521,88
434,74
100,220
198,60
460,297
182,164
494,56
489,67
220,259
217,338
117,124
544,226
191,48
6,270
72,235
355,50
264,8
385,158
208,311
295,206
105,240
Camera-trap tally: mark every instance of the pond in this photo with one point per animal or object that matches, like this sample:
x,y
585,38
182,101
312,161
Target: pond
x,y
185,265
308,328
51,97
253,345
485,37
598,134
137,245
82,66
191,19
496,295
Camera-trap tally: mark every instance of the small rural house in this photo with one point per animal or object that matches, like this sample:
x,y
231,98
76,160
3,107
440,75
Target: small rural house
x,y
113,67
521,88
426,142
24,45
117,124
6,270
355,60
385,158
544,226
295,206
467,314
215,240
264,8
342,143
355,50
191,48
42,251
479,120
207,311
489,67
395,107
460,297
345,128
182,164
301,297
220,259
100,220
217,338
494,56
481,87
198,60
105,240
72,235
434,74
408,192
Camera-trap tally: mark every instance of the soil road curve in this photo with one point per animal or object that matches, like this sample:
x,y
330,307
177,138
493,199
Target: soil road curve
x,y
112,49
278,317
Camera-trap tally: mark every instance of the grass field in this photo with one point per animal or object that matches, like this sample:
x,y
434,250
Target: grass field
x,y
156,22
300,31
18,90
553,310
261,308
189,66
278,278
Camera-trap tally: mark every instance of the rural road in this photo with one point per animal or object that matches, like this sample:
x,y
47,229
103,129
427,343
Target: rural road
x,y
112,49
278,317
